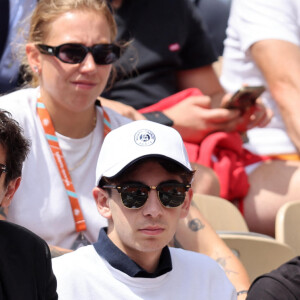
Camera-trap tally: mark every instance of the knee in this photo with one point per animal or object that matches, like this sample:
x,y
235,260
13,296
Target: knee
x,y
205,181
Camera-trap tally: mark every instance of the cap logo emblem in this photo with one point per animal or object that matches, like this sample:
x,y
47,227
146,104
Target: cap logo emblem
x,y
144,137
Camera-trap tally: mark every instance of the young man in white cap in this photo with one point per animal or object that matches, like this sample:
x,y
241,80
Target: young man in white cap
x,y
143,189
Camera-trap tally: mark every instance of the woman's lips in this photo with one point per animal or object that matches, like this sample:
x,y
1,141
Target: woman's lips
x,y
84,84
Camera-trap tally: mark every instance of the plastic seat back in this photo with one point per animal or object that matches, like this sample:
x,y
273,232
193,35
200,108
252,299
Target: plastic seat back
x,y
287,225
221,214
259,254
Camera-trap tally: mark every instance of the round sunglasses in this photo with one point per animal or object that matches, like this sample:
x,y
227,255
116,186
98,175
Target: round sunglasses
x,y
135,195
103,54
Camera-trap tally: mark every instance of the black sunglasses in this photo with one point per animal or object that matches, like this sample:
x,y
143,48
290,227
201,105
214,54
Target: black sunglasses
x,y
103,54
135,195
3,169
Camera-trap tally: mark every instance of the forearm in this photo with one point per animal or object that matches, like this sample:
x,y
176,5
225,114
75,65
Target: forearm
x,y
195,234
287,96
205,79
58,251
282,73
123,109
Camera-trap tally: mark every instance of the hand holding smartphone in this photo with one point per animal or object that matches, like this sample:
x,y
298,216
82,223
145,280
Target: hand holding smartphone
x,y
244,98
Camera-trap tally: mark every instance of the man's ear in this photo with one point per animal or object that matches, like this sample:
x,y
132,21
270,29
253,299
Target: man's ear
x,y
186,204
102,201
33,57
10,191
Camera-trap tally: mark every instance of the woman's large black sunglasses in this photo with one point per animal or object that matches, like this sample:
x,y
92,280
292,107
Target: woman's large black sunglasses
x,y
103,54
135,195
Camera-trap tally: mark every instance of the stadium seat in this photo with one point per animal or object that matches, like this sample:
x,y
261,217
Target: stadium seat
x,y
259,254
287,225
220,213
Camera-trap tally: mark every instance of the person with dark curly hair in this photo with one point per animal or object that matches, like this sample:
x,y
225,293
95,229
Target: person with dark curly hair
x,y
25,260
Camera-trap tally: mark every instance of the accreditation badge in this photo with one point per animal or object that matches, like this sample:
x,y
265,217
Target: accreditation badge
x,y
80,241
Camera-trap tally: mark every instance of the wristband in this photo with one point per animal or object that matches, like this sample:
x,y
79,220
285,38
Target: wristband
x,y
159,117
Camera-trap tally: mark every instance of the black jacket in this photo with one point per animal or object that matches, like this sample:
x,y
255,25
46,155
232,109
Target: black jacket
x,y
282,283
25,265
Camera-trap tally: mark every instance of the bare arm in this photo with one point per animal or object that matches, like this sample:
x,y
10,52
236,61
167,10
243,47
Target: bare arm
x,y
279,62
194,117
58,251
195,234
205,79
123,109
198,116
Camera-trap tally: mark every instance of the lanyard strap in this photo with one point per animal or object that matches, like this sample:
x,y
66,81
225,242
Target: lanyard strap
x,y
52,139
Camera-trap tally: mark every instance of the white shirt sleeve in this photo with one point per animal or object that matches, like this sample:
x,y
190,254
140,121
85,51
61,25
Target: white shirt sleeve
x,y
257,20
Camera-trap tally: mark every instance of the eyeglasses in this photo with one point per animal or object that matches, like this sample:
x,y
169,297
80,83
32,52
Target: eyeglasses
x,y
103,54
135,195
3,169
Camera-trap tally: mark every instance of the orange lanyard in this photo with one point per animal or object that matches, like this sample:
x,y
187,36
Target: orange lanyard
x,y
52,139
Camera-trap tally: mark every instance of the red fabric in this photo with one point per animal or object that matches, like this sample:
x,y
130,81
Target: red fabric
x,y
171,100
221,151
224,153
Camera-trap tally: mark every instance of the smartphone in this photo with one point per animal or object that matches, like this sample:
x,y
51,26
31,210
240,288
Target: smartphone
x,y
244,98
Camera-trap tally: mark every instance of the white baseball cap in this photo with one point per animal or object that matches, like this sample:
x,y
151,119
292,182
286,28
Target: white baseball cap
x,y
137,140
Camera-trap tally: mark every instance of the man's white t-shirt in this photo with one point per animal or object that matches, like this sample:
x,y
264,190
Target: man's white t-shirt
x,y
84,274
250,22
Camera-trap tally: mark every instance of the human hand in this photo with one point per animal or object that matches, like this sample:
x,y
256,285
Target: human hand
x,y
253,116
195,118
123,109
256,116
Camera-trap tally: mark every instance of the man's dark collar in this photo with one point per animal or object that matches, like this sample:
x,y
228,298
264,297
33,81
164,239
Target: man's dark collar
x,y
119,260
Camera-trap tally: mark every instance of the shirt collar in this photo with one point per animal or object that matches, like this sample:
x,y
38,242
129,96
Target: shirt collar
x,y
119,260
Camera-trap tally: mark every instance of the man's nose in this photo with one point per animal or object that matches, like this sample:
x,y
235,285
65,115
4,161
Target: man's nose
x,y
153,207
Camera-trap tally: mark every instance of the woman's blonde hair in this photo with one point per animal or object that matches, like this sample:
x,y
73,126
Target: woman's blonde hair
x,y
47,11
